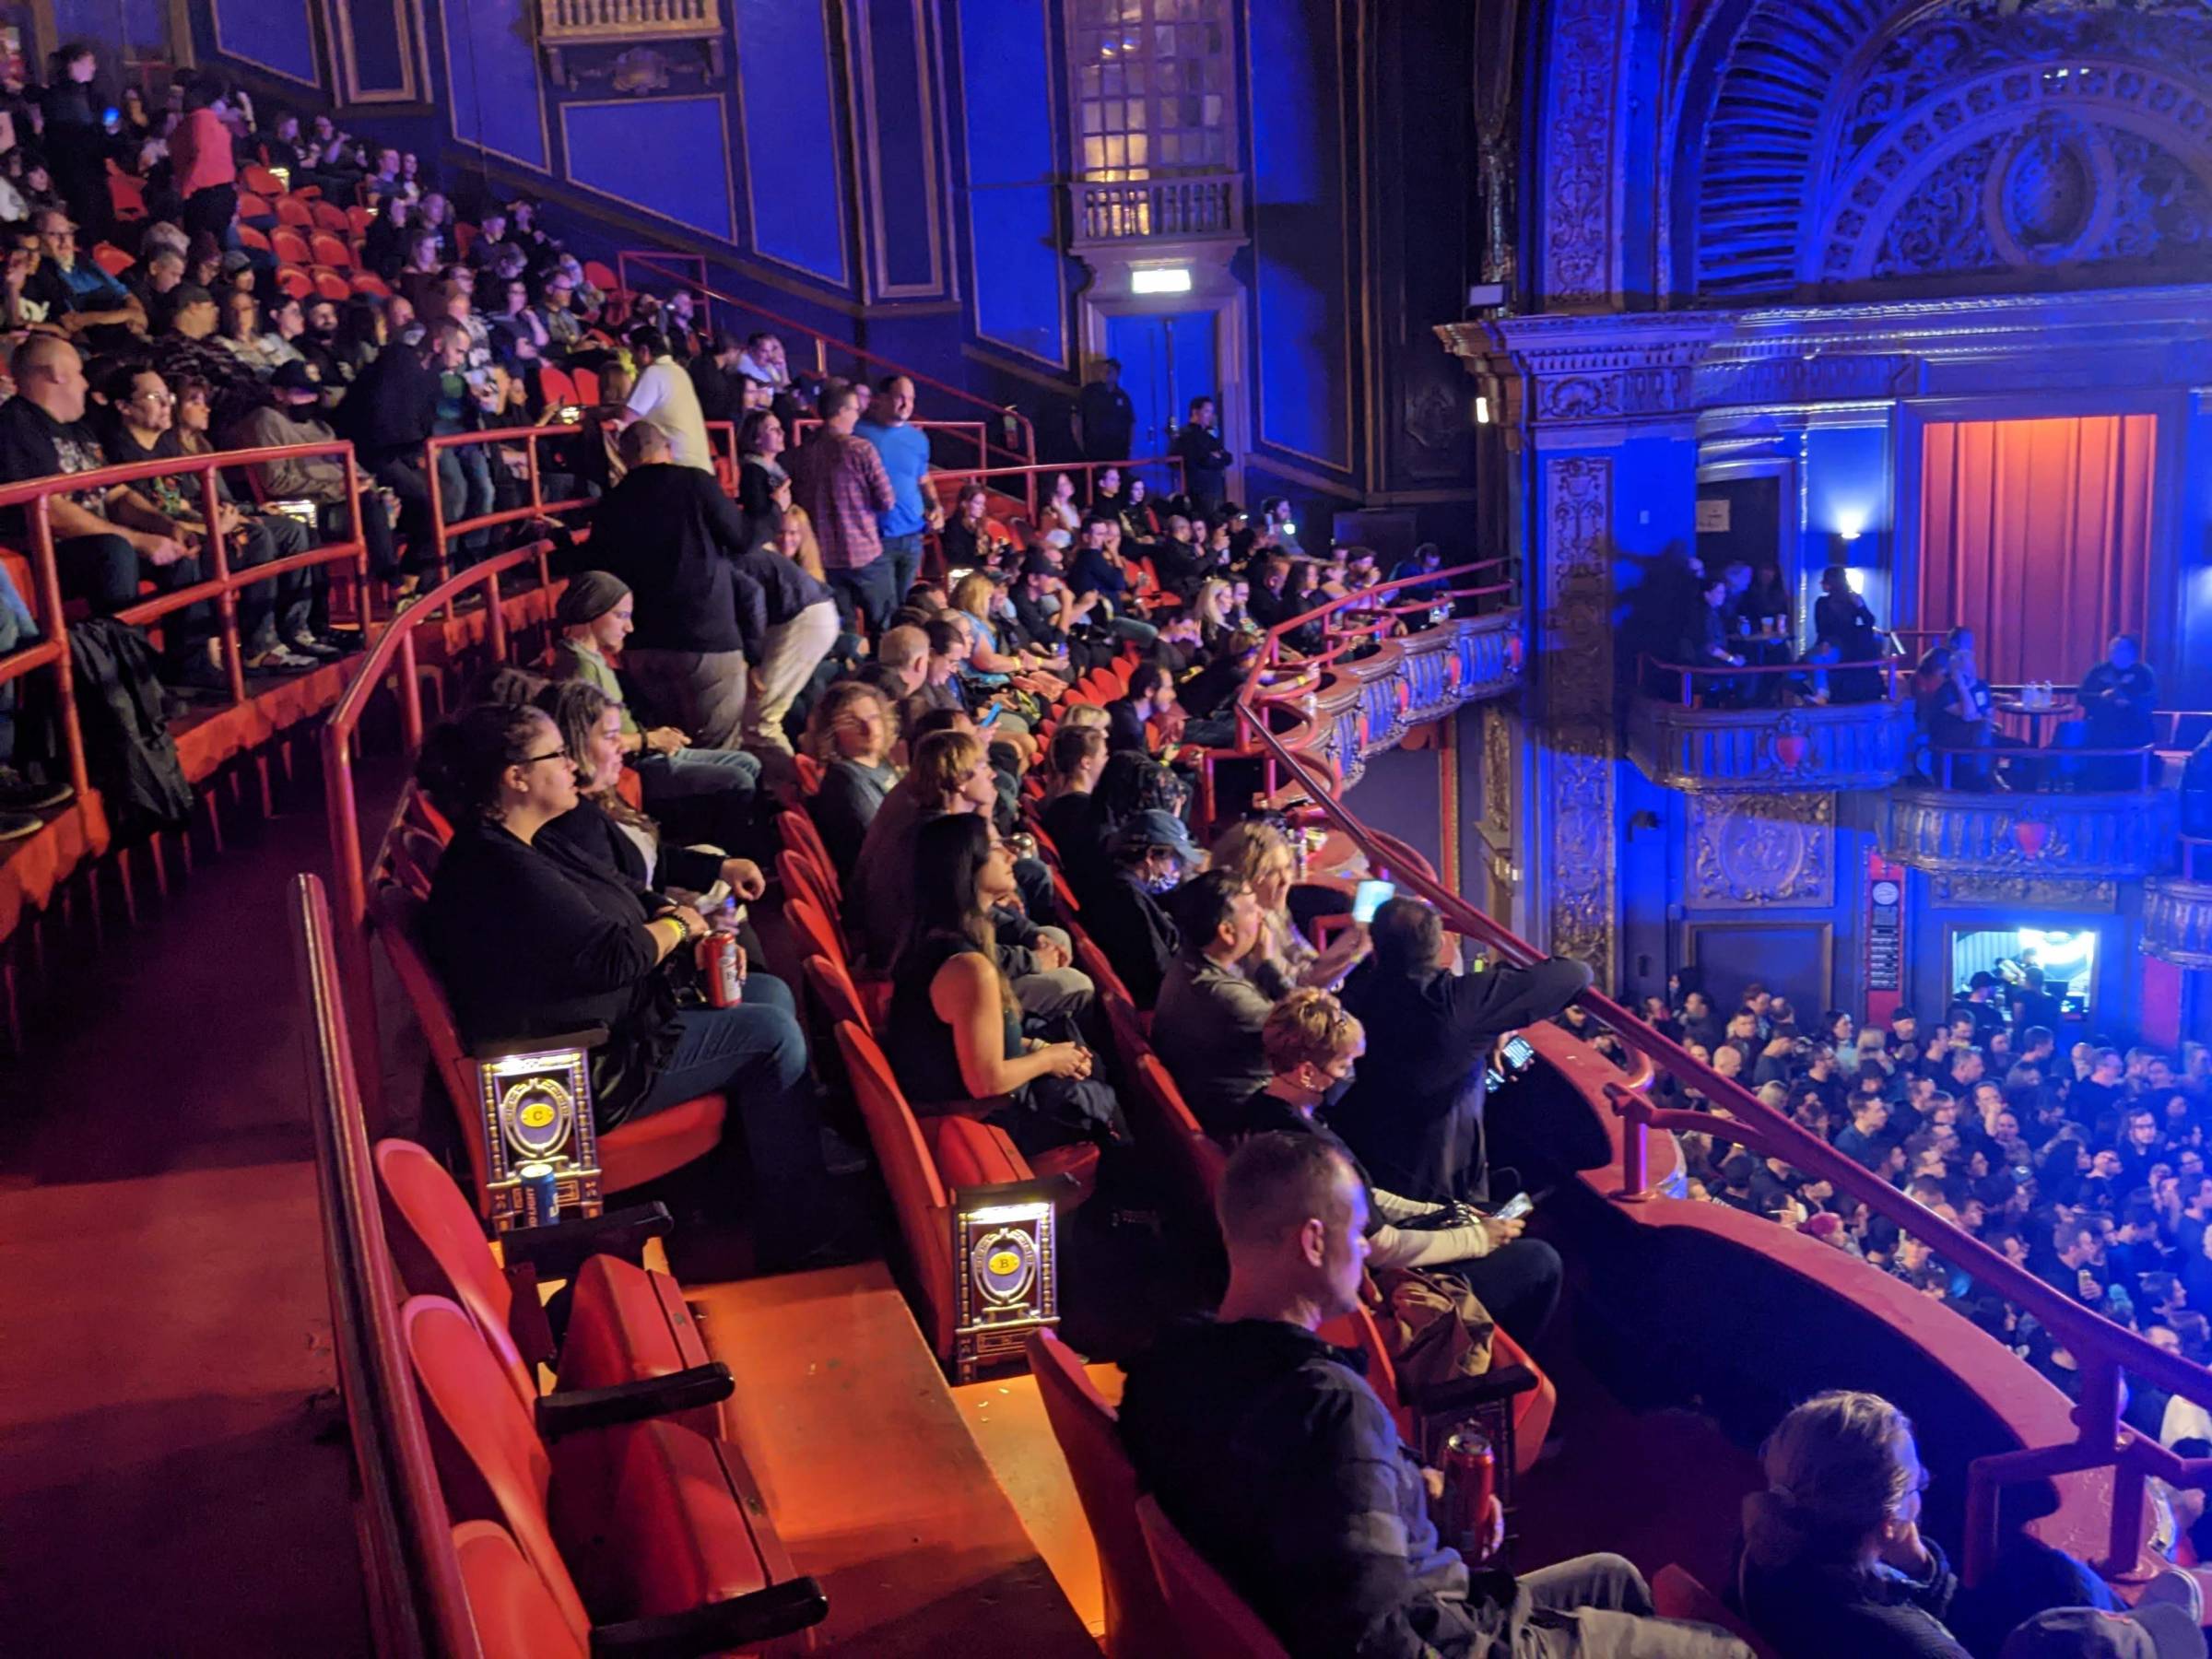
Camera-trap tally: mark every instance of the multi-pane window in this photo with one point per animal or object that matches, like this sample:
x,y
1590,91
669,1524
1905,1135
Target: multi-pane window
x,y
1153,87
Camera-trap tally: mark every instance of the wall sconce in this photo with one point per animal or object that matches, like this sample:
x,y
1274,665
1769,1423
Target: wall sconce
x,y
1006,1271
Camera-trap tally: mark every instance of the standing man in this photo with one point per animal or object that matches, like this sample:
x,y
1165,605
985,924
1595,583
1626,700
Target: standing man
x,y
1204,462
663,395
1107,417
904,448
672,536
840,480
716,379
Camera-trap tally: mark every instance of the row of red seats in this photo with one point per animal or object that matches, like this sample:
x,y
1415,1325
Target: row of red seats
x,y
610,1514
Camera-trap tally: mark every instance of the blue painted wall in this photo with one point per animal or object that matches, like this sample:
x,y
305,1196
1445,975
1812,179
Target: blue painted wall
x,y
274,35
493,84
1016,270
899,136
379,43
669,156
790,139
1301,232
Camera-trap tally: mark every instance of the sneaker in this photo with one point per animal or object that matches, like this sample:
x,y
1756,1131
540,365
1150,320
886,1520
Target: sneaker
x,y
323,651
19,794
2172,1585
15,826
840,1156
198,679
280,659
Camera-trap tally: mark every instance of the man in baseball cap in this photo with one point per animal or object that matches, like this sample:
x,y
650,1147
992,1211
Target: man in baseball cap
x,y
1152,853
2152,1630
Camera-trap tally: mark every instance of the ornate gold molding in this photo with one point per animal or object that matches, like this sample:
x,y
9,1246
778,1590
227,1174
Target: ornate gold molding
x,y
1578,702
1764,849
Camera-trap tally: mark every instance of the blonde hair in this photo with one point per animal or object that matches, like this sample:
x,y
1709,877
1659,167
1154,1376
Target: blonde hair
x,y
1836,1470
1247,848
1086,714
1308,1027
973,593
1212,604
810,550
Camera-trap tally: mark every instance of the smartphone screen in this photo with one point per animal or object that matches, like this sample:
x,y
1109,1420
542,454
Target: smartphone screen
x,y
1369,898
1518,1206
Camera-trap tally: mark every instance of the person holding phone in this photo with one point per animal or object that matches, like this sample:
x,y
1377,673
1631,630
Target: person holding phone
x,y
1312,1046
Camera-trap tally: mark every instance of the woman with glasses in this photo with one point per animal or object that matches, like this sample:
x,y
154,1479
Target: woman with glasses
x,y
528,944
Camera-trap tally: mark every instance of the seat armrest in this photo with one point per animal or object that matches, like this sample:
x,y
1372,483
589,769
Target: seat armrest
x,y
740,1622
571,1411
1462,1393
557,1251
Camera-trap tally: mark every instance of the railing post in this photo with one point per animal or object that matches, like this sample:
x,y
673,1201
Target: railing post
x,y
495,621
65,669
430,467
346,876
410,692
361,539
226,603
1981,1552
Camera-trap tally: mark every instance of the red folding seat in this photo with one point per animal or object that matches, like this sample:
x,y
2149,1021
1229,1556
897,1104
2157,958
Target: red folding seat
x,y
111,258
359,219
817,932
514,1613
624,1516
625,1323
330,285
331,250
369,282
1138,1624
294,281
248,237
332,217
1515,1398
259,180
1158,1114
601,277
554,387
294,210
1212,1617
811,774
838,997
254,207
290,246
799,834
803,879
587,386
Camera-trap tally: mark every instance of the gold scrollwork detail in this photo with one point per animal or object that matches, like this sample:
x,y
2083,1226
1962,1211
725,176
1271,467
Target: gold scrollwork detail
x,y
1762,849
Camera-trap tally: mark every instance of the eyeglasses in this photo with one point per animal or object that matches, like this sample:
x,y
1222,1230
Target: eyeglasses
x,y
558,754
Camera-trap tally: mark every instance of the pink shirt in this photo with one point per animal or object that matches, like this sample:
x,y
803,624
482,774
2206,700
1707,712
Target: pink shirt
x,y
199,153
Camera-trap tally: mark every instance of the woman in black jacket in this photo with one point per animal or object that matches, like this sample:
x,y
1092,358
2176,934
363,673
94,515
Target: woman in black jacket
x,y
530,939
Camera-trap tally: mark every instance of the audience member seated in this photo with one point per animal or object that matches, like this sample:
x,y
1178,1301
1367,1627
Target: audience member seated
x,y
103,540
80,298
529,945
1077,757
1206,1023
1415,1115
850,735
288,420
1283,958
709,791
949,772
1312,1045
1280,1464
2119,697
1835,1566
1844,632
954,1032
1152,855
1706,644
1150,696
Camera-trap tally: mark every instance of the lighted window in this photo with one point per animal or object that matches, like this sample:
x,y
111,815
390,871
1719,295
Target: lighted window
x,y
1152,87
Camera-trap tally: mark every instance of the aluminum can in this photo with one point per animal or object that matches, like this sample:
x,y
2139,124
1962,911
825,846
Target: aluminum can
x,y
1470,1482
541,1194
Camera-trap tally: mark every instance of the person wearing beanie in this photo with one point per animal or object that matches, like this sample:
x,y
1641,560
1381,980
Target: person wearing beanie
x,y
706,791
290,418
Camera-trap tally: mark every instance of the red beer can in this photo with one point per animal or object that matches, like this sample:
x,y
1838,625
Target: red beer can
x,y
1470,1482
718,967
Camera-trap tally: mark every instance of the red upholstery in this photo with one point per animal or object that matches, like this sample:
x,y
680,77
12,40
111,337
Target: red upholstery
x,y
1214,1620
1137,1622
969,1152
918,1196
803,879
258,179
587,384
294,280
253,207
331,283
631,1522
438,1247
630,1155
330,249
799,834
834,990
601,277
812,922
515,1614
810,773
294,210
1161,1116
288,245
1532,1411
359,219
249,237
367,282
332,217
554,385
111,259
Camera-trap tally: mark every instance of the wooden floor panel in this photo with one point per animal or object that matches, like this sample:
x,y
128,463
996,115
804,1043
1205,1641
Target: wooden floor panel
x,y
876,1486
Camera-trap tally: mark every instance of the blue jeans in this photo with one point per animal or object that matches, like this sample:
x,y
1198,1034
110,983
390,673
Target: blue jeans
x,y
18,632
756,1055
702,793
903,554
867,591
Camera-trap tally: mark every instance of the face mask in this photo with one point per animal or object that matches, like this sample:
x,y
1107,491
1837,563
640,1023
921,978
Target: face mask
x,y
1165,881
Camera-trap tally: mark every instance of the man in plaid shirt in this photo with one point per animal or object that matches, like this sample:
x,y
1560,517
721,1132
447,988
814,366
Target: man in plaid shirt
x,y
840,480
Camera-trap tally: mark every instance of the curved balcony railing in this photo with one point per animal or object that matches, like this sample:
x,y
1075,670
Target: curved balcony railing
x,y
1706,737
2102,1350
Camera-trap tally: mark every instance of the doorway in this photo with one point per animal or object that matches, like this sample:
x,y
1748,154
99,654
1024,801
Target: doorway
x,y
1167,358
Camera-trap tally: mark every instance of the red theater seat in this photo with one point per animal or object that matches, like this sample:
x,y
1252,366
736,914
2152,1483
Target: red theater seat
x,y
624,1323
514,1613
1138,1624
626,1520
1675,1594
1513,1397
1213,1619
801,836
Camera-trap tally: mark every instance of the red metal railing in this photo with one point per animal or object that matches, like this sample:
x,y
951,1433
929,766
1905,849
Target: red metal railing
x,y
1020,442
966,434
2102,1350
443,535
219,583
1649,669
1084,473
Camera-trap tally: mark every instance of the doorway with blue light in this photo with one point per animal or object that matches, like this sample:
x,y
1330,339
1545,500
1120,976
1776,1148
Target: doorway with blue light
x,y
1167,358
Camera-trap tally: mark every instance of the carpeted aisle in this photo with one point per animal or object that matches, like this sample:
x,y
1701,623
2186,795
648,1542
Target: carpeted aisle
x,y
169,1481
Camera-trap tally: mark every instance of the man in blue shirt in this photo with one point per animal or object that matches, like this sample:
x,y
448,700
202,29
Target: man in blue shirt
x,y
78,294
905,451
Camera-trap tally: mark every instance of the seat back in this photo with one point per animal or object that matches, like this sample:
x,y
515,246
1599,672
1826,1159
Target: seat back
x,y
835,992
332,217
411,858
491,1461
1677,1594
1092,960
291,246
514,1614
554,385
1196,1162
1137,1621
294,210
398,915
810,773
587,384
815,935
438,1247
917,1194
803,879
1215,1620
800,835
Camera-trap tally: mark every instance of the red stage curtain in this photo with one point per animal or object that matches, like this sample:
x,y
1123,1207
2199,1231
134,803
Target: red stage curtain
x,y
2036,534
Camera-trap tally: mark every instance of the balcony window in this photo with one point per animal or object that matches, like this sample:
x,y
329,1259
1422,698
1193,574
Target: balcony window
x,y
1152,81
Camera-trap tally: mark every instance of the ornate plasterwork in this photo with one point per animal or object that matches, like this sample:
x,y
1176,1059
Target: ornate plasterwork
x,y
1891,142
2039,891
2177,921
2058,839
1497,777
1579,229
1843,746
1578,701
1753,850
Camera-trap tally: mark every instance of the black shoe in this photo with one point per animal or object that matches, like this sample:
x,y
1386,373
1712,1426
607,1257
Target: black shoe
x,y
197,680
306,644
19,794
15,826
